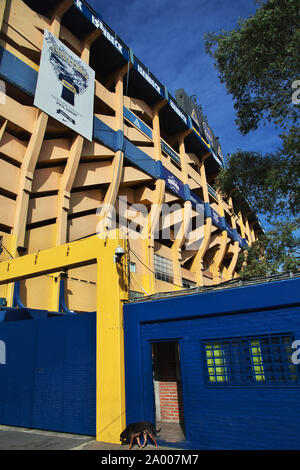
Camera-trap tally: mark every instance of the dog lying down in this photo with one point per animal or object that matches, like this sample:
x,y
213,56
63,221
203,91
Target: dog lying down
x,y
134,431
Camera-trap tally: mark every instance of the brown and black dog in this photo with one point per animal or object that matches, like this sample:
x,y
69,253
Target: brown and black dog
x,y
134,430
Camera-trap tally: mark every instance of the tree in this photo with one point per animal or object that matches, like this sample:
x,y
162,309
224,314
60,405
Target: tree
x,y
259,64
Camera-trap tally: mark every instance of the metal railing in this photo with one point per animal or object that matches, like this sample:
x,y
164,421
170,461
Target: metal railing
x,y
212,192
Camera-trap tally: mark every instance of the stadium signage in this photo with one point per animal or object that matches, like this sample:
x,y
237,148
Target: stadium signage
x,y
177,111
220,154
207,132
197,203
99,24
242,242
107,34
173,183
137,122
195,118
170,152
195,199
65,87
149,79
216,158
215,218
230,231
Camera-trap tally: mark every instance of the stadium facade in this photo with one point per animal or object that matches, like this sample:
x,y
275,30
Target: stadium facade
x,y
148,166
107,186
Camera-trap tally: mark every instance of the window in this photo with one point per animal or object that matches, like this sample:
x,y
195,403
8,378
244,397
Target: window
x,y
216,362
187,284
163,268
256,361
264,359
132,267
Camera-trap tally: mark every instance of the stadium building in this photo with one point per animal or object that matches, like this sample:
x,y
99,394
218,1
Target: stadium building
x,y
108,196
148,165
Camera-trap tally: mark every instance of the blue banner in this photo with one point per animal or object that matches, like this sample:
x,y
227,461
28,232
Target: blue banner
x,y
202,140
242,241
149,77
197,203
107,32
217,219
173,183
230,231
178,111
216,158
166,148
137,122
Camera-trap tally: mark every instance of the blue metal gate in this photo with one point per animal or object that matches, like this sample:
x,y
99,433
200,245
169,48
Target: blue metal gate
x,y
48,370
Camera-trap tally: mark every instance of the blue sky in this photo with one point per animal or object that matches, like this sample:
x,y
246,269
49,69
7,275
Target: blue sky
x,y
167,36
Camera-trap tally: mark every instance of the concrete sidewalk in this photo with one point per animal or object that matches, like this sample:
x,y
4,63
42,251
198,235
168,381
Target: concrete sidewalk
x,y
15,438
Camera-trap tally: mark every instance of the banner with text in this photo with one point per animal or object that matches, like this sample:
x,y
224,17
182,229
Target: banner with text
x,y
65,87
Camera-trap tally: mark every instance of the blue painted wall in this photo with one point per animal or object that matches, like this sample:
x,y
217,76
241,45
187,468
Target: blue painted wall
x,y
49,379
257,416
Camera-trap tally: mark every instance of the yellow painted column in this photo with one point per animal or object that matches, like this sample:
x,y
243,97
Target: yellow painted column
x,y
8,239
148,279
26,177
179,241
64,192
58,13
182,154
176,256
112,279
63,206
197,264
119,90
248,230
186,216
156,130
25,185
252,231
236,248
2,129
240,217
220,253
118,161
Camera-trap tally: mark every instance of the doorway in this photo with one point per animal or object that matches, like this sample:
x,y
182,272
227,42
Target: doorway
x,y
167,387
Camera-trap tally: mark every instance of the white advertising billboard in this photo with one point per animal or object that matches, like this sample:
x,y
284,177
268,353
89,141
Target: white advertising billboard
x,y
65,87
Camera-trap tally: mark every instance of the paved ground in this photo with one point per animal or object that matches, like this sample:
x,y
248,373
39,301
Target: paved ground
x,y
13,438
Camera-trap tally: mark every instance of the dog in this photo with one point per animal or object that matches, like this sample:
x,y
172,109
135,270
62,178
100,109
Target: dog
x,y
134,431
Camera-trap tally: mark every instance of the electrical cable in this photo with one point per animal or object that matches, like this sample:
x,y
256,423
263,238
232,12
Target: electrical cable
x,y
139,284
2,245
177,285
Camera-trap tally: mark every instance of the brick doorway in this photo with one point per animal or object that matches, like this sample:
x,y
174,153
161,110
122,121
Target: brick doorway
x,y
168,389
